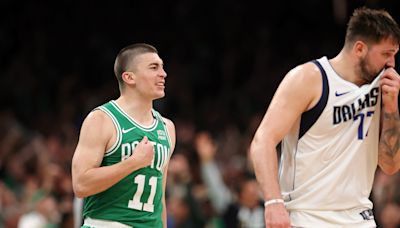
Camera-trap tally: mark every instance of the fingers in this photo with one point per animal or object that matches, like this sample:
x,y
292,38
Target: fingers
x,y
391,75
390,85
144,145
143,153
390,81
387,89
145,140
391,71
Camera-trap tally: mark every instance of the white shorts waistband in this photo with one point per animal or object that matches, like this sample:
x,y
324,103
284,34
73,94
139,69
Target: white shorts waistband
x,y
99,223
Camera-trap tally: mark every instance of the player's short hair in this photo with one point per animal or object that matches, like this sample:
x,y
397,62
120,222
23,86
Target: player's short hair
x,y
125,60
371,26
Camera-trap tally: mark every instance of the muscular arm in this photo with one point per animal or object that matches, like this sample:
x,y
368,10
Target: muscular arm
x,y
290,101
299,91
171,132
389,144
88,177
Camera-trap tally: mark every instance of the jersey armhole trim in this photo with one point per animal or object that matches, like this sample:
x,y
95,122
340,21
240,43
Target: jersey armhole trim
x,y
311,116
115,146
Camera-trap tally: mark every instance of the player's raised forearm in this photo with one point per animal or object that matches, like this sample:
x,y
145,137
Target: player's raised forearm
x,y
389,145
264,157
96,180
90,179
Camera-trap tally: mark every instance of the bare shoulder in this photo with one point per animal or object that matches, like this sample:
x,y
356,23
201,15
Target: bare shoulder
x,y
97,118
170,125
305,81
295,95
99,124
305,73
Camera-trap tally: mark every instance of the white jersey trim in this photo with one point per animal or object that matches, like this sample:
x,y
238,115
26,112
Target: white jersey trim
x,y
130,119
115,146
99,223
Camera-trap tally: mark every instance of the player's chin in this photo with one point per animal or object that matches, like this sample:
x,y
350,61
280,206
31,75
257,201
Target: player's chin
x,y
160,94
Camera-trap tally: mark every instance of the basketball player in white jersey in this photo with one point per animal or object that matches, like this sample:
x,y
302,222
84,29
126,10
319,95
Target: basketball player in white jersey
x,y
338,119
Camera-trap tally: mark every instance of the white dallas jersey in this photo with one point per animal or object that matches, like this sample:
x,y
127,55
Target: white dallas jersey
x,y
329,158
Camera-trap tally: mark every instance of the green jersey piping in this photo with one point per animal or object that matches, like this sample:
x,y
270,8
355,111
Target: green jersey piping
x,y
115,146
130,119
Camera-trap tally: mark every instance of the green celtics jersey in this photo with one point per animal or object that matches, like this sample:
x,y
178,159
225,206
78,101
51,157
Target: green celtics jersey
x,y
136,200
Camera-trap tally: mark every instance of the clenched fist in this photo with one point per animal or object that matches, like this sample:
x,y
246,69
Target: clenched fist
x,y
390,84
144,153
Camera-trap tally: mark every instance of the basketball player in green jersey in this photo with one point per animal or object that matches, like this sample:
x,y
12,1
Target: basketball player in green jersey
x,y
120,163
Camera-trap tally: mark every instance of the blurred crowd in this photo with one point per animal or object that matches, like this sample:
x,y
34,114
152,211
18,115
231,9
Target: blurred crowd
x,y
224,61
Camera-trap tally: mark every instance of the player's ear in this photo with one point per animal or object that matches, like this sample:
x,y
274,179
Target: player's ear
x,y
128,77
360,48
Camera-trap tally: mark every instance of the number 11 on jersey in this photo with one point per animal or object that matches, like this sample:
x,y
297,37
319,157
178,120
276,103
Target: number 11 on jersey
x,y
135,203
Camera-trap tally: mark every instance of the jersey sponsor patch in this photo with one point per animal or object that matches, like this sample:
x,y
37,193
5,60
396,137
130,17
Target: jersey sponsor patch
x,y
367,214
161,135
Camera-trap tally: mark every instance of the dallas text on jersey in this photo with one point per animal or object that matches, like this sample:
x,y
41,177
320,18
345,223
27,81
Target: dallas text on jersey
x,y
349,112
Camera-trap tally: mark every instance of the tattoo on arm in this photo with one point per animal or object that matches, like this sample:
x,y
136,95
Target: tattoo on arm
x,y
390,138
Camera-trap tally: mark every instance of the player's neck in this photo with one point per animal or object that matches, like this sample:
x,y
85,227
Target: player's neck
x,y
138,109
346,68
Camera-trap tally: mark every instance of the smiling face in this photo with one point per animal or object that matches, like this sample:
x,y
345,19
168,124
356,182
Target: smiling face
x,y
149,75
377,57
